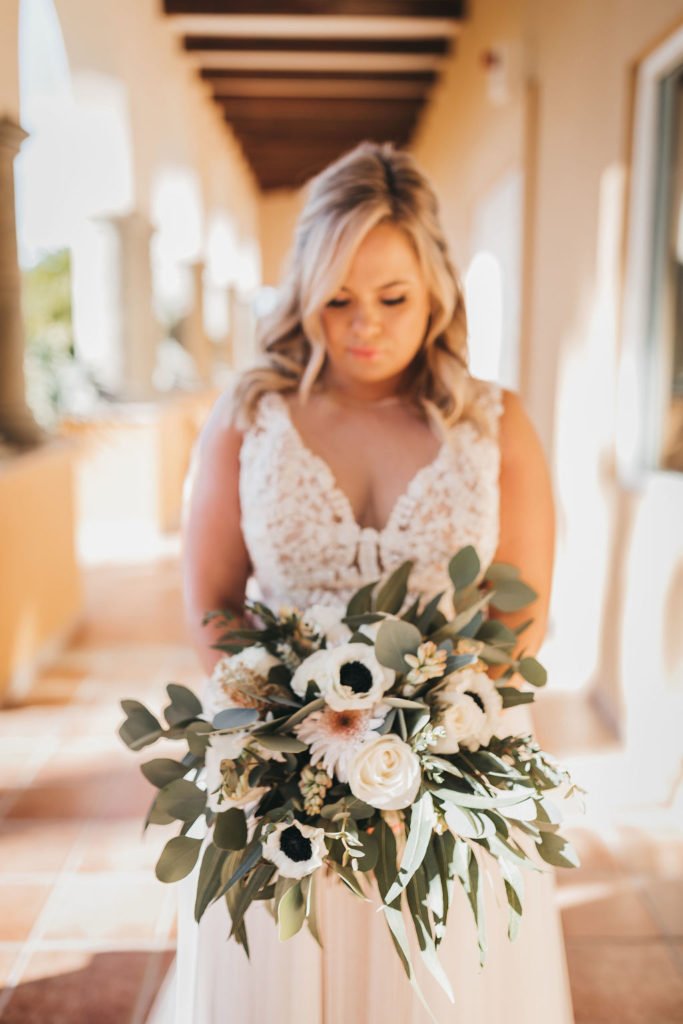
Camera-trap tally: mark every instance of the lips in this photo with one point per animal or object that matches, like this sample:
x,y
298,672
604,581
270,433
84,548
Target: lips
x,y
363,353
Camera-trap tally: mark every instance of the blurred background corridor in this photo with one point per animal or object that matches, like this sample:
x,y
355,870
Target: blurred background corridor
x,y
152,158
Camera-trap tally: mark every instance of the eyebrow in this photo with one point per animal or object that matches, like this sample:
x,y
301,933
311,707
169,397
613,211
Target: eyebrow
x,y
388,284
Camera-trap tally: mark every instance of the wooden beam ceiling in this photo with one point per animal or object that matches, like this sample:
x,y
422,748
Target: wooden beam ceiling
x,y
301,81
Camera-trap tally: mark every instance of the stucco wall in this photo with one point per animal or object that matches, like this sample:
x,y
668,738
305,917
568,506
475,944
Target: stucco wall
x,y
567,124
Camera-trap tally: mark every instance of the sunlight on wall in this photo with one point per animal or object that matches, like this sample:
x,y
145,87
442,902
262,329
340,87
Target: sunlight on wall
x,y
582,606
177,215
483,286
45,198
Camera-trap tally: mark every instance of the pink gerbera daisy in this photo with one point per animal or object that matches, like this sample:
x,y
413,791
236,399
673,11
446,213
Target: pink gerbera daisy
x,y
334,736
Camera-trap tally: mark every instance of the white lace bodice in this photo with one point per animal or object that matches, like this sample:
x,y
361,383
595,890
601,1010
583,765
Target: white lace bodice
x,y
305,544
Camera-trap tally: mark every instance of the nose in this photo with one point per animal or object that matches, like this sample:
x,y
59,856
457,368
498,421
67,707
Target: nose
x,y
365,323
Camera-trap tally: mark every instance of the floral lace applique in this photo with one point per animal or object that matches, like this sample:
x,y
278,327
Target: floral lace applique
x,y
303,539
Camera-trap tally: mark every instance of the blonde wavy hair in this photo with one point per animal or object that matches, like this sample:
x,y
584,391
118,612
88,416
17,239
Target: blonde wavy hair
x,y
371,184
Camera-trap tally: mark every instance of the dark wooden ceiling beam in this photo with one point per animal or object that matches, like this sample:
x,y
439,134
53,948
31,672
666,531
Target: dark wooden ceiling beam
x,y
419,77
238,44
349,8
335,111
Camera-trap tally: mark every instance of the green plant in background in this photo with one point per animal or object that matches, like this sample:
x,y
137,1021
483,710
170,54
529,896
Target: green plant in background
x,y
55,378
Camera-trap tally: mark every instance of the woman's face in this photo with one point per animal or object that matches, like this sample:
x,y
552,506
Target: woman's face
x,y
377,321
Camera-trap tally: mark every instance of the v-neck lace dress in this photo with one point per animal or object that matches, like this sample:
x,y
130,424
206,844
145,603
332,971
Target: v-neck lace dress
x,y
306,547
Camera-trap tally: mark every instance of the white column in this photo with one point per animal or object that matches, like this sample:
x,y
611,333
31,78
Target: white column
x,y
193,333
115,328
17,425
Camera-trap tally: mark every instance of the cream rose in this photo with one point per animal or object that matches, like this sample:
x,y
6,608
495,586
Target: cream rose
x,y
470,708
385,773
463,721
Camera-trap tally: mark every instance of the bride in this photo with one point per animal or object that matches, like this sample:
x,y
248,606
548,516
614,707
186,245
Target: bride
x,y
362,440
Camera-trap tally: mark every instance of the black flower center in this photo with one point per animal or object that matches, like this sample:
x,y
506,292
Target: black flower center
x,y
294,845
356,676
477,699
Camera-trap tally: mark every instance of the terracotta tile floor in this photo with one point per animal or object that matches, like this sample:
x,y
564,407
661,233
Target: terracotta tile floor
x,y
86,931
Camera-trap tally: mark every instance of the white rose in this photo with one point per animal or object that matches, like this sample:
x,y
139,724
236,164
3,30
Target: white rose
x,y
470,711
348,677
325,620
463,721
385,773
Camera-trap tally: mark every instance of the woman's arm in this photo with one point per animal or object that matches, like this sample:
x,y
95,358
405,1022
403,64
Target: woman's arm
x,y
216,563
527,520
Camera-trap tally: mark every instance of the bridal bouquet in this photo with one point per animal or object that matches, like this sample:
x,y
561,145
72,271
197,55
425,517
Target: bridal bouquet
x,y
368,741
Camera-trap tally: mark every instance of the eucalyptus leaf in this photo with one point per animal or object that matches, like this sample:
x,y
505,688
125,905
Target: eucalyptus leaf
x,y
512,696
417,901
556,850
511,595
177,859
184,705
361,601
162,770
251,857
403,702
505,798
197,736
428,613
244,895
370,849
209,881
348,876
282,742
421,824
182,799
230,829
235,718
140,727
394,639
533,671
392,594
501,571
464,567
304,712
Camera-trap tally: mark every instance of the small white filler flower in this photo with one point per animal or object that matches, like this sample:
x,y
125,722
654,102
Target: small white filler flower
x,y
295,849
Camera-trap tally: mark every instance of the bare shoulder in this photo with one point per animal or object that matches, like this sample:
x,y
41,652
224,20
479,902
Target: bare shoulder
x,y
518,437
220,433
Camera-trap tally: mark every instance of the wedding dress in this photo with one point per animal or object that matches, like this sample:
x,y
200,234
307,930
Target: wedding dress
x,y
306,547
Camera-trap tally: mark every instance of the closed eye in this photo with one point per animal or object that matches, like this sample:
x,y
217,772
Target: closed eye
x,y
394,302
341,303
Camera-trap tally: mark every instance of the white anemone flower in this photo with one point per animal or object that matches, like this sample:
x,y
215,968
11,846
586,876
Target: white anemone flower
x,y
334,736
348,677
295,849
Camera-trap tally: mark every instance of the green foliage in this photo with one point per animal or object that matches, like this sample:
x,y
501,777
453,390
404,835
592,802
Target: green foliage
x,y
178,858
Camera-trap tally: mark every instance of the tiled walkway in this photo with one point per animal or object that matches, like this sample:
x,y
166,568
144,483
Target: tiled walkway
x,y
86,931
